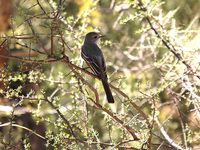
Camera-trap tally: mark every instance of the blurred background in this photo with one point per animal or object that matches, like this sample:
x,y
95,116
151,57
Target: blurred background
x,y
40,93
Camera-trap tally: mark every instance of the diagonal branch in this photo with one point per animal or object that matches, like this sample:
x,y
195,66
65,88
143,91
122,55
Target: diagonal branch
x,y
166,42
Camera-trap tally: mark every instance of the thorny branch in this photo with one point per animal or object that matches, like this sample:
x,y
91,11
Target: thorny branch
x,y
51,58
167,43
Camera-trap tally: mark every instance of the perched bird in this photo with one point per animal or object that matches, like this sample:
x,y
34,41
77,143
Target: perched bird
x,y
93,56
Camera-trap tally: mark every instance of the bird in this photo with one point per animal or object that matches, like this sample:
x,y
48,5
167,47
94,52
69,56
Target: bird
x,y
93,56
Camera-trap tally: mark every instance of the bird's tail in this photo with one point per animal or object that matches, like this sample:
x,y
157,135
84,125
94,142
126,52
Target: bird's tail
x,y
108,91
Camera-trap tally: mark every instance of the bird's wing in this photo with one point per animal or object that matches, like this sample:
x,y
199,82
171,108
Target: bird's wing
x,y
95,62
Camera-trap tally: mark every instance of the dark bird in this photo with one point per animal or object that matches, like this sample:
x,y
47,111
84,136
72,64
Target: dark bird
x,y
93,56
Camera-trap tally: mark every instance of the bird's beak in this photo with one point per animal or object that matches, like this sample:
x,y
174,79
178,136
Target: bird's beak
x,y
102,36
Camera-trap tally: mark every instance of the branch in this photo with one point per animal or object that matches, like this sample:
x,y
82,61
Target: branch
x,y
165,42
119,121
166,135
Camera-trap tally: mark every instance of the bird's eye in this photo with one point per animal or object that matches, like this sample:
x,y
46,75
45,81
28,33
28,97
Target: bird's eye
x,y
95,37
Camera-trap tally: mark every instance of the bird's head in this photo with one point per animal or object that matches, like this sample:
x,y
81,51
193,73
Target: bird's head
x,y
93,37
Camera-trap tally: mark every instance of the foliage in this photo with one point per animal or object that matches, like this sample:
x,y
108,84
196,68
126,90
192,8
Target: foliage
x,y
152,62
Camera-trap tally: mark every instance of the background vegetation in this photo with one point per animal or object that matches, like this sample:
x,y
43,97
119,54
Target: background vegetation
x,y
151,50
